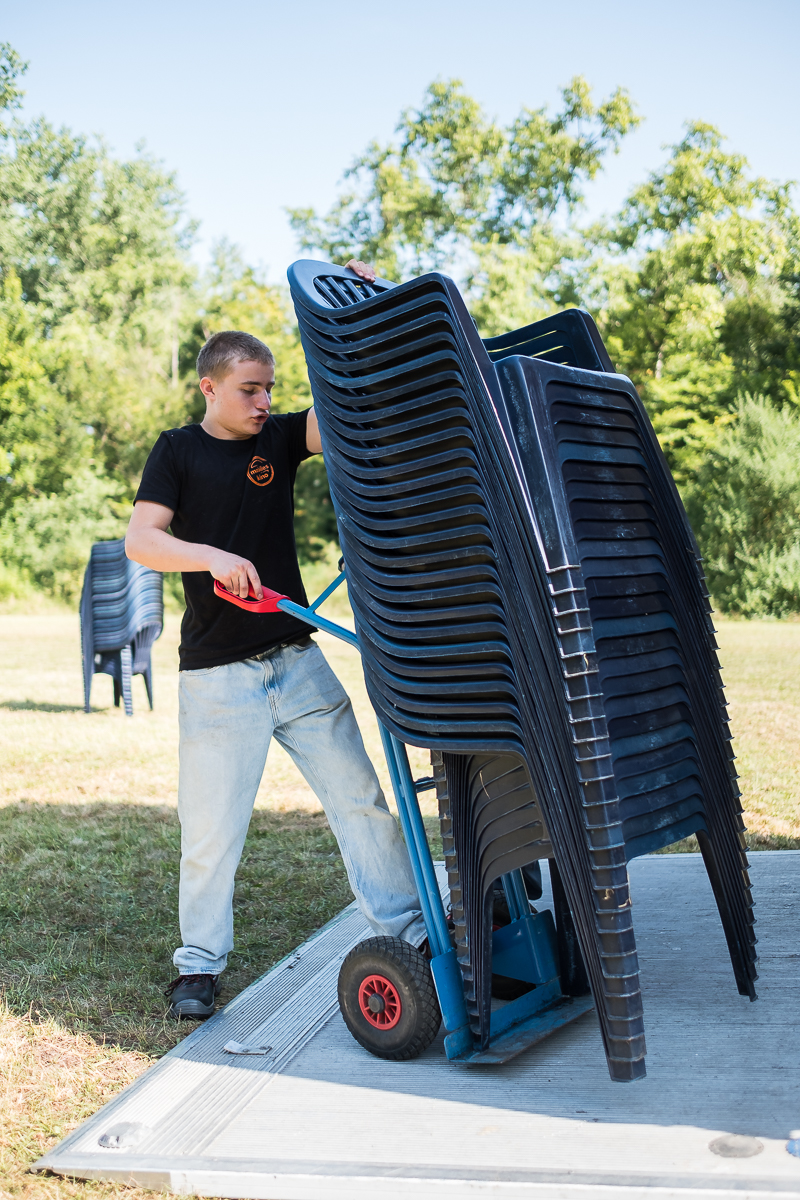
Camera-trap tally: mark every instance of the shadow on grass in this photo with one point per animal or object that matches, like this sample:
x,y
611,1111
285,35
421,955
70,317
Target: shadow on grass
x,y
88,911
35,706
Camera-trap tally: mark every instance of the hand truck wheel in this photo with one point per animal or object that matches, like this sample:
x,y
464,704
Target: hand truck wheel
x,y
387,998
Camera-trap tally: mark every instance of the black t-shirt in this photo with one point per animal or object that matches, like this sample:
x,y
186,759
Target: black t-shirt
x,y
236,496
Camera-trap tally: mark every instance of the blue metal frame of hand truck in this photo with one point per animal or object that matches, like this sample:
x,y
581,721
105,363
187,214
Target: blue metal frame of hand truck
x,y
525,949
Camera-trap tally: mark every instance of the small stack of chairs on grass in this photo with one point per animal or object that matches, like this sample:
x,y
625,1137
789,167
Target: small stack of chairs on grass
x,y
122,614
530,607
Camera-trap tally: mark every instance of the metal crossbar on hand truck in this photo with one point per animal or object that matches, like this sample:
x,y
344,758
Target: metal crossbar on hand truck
x,y
385,991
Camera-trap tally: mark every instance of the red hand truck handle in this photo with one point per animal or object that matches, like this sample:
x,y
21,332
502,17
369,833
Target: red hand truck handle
x,y
269,604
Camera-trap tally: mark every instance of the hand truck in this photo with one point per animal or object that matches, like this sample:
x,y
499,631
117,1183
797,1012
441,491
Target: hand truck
x,y
394,997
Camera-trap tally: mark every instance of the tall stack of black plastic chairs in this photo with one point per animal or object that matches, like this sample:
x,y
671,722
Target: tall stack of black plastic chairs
x,y
530,606
122,614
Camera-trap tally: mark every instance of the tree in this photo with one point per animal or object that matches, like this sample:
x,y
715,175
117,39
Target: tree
x,y
100,248
744,504
703,293
695,283
456,189
54,501
40,439
94,283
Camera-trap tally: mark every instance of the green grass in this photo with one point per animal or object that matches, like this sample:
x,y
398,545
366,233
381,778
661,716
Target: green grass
x,y
88,897
89,845
88,905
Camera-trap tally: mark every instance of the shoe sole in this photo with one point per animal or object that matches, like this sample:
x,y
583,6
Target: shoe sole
x,y
191,1008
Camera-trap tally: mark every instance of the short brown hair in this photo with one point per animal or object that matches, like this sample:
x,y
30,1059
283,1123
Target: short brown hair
x,y
223,350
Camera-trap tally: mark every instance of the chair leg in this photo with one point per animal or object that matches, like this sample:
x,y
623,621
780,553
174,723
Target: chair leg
x,y
117,692
736,916
148,683
574,980
126,661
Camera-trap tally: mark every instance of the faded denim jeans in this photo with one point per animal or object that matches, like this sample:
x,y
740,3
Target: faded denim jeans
x,y
227,716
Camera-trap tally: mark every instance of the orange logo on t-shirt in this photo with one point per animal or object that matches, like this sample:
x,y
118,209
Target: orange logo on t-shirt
x,y
260,471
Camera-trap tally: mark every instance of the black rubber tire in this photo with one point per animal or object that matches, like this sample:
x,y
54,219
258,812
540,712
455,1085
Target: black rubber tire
x,y
409,973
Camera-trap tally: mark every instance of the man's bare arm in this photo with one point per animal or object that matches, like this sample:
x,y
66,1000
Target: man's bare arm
x,y
313,440
148,542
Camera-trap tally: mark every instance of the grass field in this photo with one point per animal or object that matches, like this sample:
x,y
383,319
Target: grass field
x,y
89,848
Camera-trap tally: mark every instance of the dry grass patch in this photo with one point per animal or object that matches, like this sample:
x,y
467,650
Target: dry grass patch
x,y
50,1081
761,670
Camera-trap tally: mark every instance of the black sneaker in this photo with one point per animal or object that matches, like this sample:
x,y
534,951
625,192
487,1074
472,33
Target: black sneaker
x,y
193,995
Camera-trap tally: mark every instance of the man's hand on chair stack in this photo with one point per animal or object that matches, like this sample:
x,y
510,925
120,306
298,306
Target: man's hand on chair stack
x,y
362,269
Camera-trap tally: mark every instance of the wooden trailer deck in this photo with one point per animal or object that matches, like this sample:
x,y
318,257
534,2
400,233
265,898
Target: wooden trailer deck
x,y
315,1117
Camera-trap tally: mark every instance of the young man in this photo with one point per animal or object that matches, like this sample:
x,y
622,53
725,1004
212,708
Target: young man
x,y
225,488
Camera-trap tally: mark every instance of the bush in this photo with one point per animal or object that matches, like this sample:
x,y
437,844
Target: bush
x,y
15,584
744,506
47,540
314,519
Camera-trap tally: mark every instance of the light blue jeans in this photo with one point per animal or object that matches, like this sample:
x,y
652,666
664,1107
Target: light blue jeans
x,y
227,716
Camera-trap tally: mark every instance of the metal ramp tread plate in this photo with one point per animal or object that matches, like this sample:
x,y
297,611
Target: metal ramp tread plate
x,y
319,1118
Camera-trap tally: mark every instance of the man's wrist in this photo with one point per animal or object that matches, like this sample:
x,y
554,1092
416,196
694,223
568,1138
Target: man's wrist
x,y
198,558
205,557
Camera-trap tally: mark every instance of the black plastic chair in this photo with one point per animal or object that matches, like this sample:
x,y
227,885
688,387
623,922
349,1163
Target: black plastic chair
x,y
530,606
122,614
570,338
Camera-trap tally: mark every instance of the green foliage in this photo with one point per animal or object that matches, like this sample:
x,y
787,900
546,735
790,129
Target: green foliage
x,y
45,540
745,508
100,250
40,437
314,518
695,284
509,285
95,285
703,301
456,180
12,68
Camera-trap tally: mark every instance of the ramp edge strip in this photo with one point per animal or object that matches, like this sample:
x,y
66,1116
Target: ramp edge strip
x,y
161,1172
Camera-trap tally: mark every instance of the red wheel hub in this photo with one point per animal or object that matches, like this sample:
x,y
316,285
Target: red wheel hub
x,y
379,1002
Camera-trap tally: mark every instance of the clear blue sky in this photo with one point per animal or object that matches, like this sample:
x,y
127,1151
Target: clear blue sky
x,y
258,106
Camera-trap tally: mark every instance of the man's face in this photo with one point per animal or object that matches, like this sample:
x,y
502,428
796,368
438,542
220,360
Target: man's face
x,y
238,405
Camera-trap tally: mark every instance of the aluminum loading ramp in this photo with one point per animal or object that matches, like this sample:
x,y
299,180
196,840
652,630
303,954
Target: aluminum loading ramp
x,y
317,1117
